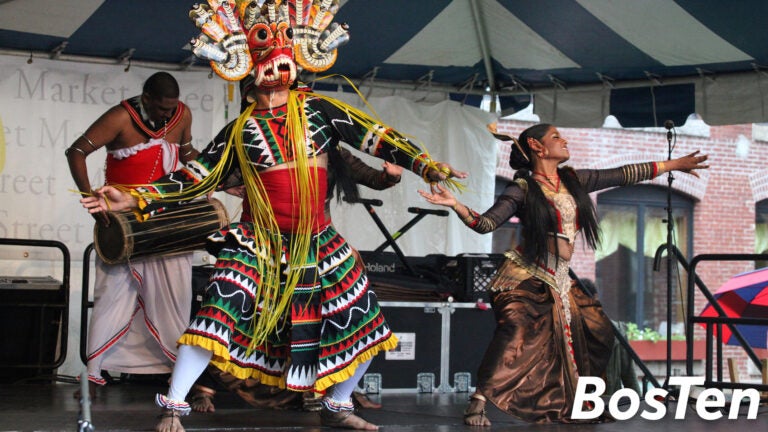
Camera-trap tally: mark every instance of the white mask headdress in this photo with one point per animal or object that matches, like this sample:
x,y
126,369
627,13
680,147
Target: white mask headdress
x,y
268,38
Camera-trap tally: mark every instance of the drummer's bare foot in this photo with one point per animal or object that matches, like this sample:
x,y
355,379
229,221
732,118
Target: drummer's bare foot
x,y
345,419
91,391
475,412
170,421
311,401
202,399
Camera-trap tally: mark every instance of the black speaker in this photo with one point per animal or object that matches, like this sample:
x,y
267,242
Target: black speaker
x,y
32,319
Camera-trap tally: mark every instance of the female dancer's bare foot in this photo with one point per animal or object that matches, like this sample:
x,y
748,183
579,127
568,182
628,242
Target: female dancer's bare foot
x,y
475,413
170,421
202,399
345,419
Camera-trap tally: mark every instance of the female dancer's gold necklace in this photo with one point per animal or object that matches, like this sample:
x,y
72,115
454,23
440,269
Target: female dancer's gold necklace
x,y
552,181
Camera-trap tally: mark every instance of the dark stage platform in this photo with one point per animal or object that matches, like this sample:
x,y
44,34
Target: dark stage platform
x,y
129,407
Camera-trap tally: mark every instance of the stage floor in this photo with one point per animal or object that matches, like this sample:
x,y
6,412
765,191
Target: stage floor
x,y
129,407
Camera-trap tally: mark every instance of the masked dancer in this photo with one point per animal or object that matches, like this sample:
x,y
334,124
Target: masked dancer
x,y
287,304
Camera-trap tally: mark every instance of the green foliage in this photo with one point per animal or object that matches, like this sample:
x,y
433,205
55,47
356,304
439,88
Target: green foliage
x,y
635,333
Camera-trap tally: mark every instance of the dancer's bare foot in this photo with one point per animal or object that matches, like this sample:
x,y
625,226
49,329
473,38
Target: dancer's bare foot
x,y
170,421
311,401
202,399
345,419
475,412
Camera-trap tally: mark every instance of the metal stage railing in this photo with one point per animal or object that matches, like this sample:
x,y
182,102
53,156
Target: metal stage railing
x,y
712,323
52,307
647,374
86,304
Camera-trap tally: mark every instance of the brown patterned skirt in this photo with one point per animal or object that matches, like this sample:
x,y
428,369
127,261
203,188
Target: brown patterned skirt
x,y
531,367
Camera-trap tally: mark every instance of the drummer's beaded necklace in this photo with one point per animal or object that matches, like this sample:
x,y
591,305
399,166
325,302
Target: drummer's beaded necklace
x,y
159,154
146,119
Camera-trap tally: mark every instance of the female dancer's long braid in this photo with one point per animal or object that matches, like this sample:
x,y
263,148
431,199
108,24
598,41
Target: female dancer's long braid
x,y
586,213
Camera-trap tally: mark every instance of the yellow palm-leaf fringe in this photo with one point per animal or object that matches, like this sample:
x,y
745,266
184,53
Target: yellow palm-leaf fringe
x,y
266,236
347,373
222,360
269,297
273,302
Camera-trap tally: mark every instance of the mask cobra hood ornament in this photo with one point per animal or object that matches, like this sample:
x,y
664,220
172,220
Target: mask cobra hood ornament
x,y
271,39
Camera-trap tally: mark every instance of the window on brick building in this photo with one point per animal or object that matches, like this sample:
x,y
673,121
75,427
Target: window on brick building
x,y
508,235
761,231
630,289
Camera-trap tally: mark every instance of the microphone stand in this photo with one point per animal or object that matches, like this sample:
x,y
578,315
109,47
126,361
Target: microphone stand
x,y
670,229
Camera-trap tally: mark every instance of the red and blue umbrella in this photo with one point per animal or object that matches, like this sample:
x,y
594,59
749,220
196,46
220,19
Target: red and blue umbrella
x,y
744,296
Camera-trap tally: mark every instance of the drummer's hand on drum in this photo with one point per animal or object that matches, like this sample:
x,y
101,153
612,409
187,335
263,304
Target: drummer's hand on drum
x,y
101,218
108,198
238,191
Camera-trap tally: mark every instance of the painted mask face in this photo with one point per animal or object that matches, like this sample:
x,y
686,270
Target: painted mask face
x,y
241,37
271,47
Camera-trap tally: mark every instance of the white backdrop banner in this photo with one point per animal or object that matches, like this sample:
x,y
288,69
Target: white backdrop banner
x,y
452,133
45,105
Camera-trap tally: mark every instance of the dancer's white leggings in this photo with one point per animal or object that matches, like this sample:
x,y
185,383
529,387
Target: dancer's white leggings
x,y
190,364
192,361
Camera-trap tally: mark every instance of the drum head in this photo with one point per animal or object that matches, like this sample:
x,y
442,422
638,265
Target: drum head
x,y
113,243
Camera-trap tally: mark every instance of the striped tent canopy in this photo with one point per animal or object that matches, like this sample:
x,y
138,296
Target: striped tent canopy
x,y
643,61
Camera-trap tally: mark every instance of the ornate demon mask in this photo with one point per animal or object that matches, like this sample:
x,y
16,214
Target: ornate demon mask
x,y
268,38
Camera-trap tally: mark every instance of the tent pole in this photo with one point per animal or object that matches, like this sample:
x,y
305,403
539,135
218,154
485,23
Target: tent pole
x,y
482,39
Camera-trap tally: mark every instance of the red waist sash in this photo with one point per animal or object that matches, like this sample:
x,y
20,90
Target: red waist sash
x,y
144,167
285,206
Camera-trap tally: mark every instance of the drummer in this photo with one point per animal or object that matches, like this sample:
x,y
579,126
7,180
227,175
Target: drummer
x,y
141,307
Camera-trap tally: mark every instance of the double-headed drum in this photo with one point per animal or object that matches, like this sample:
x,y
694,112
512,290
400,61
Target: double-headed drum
x,y
179,229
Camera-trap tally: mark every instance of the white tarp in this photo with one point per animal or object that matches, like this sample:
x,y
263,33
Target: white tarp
x,y
45,105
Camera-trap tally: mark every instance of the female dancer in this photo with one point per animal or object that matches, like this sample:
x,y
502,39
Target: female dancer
x,y
547,333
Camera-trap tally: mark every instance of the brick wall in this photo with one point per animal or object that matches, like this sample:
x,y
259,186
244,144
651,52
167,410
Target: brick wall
x,y
725,195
